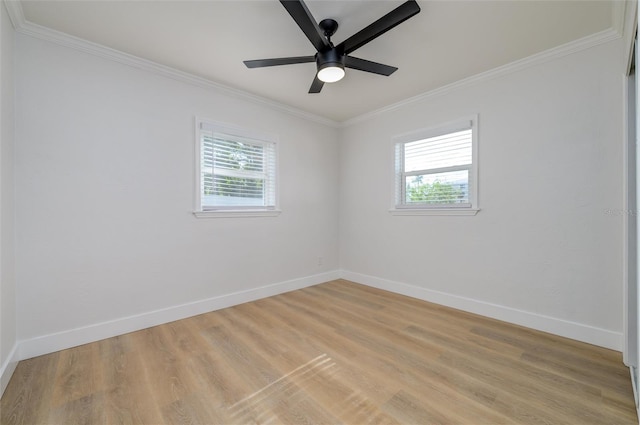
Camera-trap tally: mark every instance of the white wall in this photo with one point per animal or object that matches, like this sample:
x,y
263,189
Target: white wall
x,y
104,189
546,248
7,276
104,195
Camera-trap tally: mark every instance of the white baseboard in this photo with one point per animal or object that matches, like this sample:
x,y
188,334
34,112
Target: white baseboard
x,y
7,368
71,338
634,386
573,330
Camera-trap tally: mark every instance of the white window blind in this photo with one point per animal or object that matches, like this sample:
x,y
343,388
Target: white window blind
x,y
236,172
436,171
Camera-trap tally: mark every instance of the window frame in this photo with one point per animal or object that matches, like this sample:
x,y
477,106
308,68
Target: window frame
x,y
398,205
232,211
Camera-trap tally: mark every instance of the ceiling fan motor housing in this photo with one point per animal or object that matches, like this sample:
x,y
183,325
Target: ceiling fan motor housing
x,y
329,58
330,64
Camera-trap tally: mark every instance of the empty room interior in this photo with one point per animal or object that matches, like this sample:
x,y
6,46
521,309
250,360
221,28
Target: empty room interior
x,y
346,211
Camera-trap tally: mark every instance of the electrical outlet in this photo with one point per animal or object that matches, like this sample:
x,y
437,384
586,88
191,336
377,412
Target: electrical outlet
x,y
320,261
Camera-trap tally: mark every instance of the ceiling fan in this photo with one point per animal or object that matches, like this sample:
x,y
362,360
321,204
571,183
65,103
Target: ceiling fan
x,y
331,60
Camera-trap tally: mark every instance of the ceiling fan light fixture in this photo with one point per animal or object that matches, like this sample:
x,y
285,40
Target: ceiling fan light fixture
x,y
331,73
330,66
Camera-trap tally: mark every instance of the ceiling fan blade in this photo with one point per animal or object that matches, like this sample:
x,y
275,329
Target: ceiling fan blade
x,y
368,66
260,63
379,27
299,12
316,86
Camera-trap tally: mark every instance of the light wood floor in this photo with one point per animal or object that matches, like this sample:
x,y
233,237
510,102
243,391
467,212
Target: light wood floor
x,y
333,353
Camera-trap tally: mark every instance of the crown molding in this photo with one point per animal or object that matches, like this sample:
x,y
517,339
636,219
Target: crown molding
x,y
627,24
25,27
621,24
14,9
618,10
537,59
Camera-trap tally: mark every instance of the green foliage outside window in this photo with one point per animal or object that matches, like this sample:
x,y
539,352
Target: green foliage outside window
x,y
433,193
238,186
233,155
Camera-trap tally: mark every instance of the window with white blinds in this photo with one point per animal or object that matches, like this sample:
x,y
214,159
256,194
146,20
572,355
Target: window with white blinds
x,y
436,168
237,170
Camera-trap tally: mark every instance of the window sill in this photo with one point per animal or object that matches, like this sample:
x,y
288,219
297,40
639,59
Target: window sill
x,y
434,211
236,213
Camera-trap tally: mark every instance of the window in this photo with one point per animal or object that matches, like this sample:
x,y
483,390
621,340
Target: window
x,y
236,172
436,170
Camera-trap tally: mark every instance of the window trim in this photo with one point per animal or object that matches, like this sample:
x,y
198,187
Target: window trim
x,y
232,211
398,191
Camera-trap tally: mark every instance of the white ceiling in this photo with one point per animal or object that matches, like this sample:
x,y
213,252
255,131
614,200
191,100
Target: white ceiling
x,y
446,42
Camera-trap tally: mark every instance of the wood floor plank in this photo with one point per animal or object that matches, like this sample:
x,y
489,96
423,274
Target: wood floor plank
x,y
30,402
87,410
504,361
332,353
386,361
192,410
542,342
320,338
76,375
126,393
411,410
165,374
544,397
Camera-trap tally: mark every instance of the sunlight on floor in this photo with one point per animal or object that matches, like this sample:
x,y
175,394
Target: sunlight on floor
x,y
283,392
